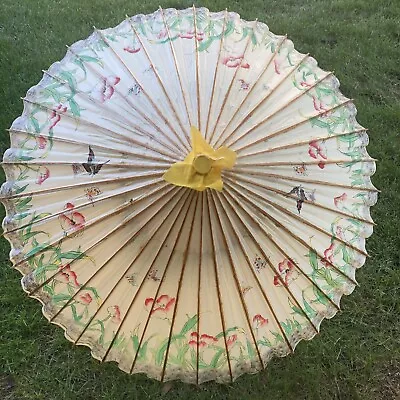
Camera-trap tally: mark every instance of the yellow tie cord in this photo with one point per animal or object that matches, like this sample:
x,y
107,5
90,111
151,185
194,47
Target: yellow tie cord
x,y
202,167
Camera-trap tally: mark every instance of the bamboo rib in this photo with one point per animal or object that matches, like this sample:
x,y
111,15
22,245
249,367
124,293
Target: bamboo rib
x,y
184,262
312,203
221,310
129,139
197,68
294,163
161,281
93,145
290,127
128,241
280,249
217,142
280,225
249,114
160,81
185,148
128,101
238,287
226,96
112,111
216,73
141,284
88,224
80,206
175,63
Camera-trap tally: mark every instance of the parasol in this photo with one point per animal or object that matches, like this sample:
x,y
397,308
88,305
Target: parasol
x,y
188,195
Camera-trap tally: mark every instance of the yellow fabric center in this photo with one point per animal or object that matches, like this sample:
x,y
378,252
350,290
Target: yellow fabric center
x,y
202,167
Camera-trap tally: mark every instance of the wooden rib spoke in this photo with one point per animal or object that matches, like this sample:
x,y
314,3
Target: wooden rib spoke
x,y
226,96
252,204
229,201
163,117
127,122
299,218
217,142
217,284
197,68
167,265
175,62
163,221
312,203
294,163
234,273
166,197
290,127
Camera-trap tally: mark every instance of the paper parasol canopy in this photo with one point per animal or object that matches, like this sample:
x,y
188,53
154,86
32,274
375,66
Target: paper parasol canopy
x,y
188,195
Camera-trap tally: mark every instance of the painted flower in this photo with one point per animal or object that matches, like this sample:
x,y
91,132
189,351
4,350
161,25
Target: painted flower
x,y
70,219
318,105
203,340
65,275
42,175
115,313
259,320
162,305
317,150
85,298
276,67
104,90
55,116
287,273
41,142
230,340
235,61
131,50
162,34
328,255
190,35
339,200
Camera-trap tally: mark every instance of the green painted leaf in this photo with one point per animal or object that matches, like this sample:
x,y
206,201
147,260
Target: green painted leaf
x,y
215,359
75,109
60,297
21,189
71,255
250,349
312,257
229,330
189,325
182,353
35,124
159,358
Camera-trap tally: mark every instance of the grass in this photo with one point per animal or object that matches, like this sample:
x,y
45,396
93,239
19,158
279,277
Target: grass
x,y
357,355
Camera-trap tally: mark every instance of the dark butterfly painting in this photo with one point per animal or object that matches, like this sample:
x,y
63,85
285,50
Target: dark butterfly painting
x,y
93,167
301,196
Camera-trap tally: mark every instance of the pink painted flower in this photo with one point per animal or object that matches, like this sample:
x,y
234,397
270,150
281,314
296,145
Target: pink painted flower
x,y
42,175
318,105
287,273
55,116
317,150
66,275
104,90
162,305
41,142
339,200
203,340
235,61
85,298
321,165
132,50
70,219
230,340
162,34
259,320
190,35
305,84
115,313
328,255
276,67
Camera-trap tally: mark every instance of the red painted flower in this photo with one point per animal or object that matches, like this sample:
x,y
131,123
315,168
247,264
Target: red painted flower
x,y
43,174
338,200
104,90
287,273
115,313
235,61
132,50
318,105
321,165
203,341
328,255
162,34
41,142
70,219
190,35
276,67
163,304
230,340
259,320
85,298
55,116
317,150
65,275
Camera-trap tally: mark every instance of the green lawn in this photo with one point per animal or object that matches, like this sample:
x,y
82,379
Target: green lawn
x,y
357,355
